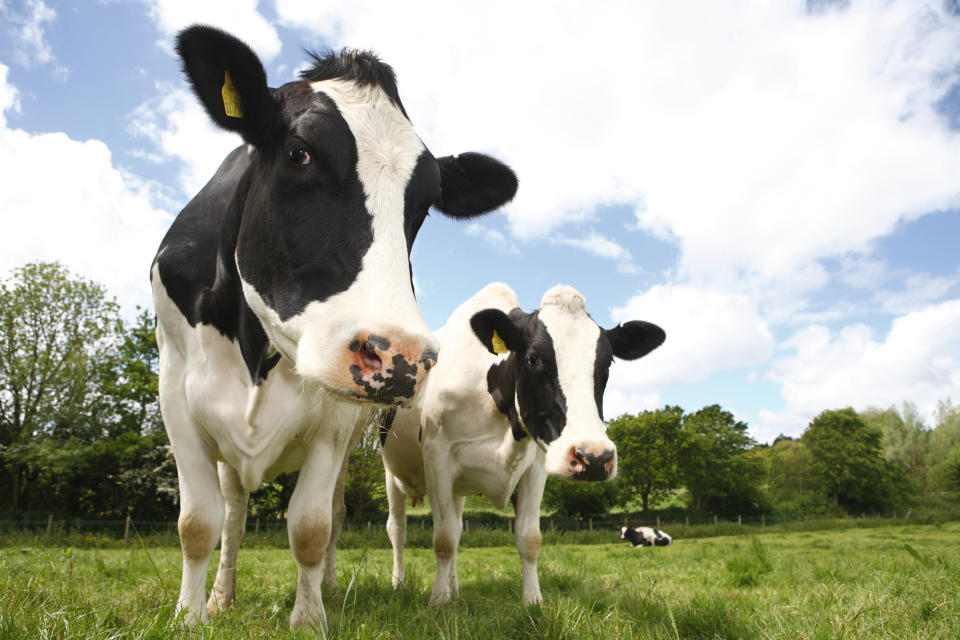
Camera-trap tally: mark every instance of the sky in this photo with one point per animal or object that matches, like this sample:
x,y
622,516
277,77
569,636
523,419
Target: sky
x,y
775,183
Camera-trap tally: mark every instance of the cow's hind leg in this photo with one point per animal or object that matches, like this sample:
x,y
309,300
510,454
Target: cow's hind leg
x,y
235,500
396,525
309,523
201,516
528,538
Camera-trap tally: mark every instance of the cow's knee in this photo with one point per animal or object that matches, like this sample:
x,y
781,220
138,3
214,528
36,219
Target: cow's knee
x,y
198,535
309,538
443,547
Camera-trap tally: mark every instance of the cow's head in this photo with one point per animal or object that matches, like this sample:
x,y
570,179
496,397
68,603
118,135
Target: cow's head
x,y
337,188
562,361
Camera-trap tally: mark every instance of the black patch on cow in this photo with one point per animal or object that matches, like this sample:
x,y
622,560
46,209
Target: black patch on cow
x,y
502,386
355,346
428,359
379,343
362,67
384,420
635,538
399,382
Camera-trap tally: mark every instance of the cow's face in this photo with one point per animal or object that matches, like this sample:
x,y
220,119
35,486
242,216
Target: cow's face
x,y
562,360
623,533
338,186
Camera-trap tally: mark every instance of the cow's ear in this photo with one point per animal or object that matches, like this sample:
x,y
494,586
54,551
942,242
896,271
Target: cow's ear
x,y
497,331
634,339
230,81
472,184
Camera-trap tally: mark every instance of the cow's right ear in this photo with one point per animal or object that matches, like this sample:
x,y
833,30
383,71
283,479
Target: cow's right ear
x,y
497,331
230,81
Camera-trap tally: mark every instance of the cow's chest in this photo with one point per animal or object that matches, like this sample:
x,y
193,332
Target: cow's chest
x,y
491,467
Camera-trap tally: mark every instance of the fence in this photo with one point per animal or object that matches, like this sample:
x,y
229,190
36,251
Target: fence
x,y
480,528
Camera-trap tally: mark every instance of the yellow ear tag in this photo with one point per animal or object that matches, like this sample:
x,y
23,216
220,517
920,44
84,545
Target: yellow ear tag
x,y
499,346
231,99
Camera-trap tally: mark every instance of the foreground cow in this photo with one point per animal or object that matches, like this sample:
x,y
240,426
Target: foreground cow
x,y
285,310
645,537
516,396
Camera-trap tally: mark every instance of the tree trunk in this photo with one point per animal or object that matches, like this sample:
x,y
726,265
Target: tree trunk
x,y
836,498
644,497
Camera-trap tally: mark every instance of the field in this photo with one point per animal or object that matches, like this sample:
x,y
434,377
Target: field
x,y
890,582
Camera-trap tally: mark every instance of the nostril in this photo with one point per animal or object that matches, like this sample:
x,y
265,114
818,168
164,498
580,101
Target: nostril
x,y
370,359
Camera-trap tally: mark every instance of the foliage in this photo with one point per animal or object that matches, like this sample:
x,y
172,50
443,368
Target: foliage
x,y
364,493
647,451
717,465
580,499
946,475
847,461
904,438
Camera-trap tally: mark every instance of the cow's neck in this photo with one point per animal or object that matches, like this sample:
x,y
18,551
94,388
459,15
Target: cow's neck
x,y
226,294
502,386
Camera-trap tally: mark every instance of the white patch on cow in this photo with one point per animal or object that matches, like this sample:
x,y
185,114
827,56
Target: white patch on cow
x,y
563,313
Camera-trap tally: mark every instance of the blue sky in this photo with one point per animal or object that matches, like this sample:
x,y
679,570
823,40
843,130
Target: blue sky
x,y
775,184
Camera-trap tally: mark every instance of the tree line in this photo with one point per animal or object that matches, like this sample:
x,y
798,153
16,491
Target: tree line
x,y
81,434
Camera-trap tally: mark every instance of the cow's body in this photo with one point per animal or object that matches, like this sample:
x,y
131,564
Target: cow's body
x,y
645,537
285,309
495,423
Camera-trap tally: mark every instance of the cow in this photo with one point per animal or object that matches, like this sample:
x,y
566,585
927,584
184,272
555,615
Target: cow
x,y
515,397
284,296
645,537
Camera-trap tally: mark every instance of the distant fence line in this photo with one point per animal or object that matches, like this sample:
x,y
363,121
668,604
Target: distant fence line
x,y
485,521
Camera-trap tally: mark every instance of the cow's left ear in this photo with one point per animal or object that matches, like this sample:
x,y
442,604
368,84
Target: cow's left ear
x,y
472,184
634,339
230,81
497,331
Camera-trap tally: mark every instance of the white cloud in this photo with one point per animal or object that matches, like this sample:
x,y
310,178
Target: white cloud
x,y
179,129
25,32
9,96
239,17
602,247
917,361
80,210
491,237
760,136
919,289
707,332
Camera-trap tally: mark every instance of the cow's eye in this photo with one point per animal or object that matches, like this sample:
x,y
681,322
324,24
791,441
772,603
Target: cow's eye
x,y
299,155
533,359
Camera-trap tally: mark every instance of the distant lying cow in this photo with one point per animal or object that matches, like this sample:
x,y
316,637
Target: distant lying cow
x,y
645,537
514,396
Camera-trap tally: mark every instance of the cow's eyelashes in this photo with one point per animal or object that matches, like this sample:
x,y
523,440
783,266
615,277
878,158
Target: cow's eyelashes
x,y
299,156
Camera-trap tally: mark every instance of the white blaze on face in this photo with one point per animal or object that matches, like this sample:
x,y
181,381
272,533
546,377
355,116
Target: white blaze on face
x,y
380,301
574,335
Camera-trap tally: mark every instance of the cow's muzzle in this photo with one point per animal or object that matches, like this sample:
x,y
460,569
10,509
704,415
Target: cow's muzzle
x,y
591,462
389,368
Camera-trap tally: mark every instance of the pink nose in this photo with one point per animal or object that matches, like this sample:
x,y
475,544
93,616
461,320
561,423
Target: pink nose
x,y
390,369
591,461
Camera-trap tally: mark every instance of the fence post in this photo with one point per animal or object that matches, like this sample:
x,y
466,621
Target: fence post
x,y
658,522
625,522
49,524
466,526
369,528
551,526
590,523
763,521
714,519
256,528
126,529
739,520
688,522
509,525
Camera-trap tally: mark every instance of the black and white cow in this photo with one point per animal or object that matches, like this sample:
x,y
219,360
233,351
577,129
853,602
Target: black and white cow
x,y
645,537
285,308
502,412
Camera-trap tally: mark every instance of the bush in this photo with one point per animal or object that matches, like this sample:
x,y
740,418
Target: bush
x,y
580,499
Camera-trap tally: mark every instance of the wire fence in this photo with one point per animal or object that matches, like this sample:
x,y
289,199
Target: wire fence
x,y
479,528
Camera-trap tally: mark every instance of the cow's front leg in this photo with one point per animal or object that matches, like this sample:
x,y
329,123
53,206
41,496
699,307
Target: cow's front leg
x,y
528,538
234,524
454,581
338,513
396,525
446,529
200,521
309,522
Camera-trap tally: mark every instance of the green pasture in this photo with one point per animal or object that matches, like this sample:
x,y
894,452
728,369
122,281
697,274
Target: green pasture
x,y
889,582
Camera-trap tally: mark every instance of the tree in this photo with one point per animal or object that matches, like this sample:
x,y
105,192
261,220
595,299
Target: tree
x,y
364,493
946,475
580,499
647,452
946,435
904,437
788,470
716,463
56,332
847,461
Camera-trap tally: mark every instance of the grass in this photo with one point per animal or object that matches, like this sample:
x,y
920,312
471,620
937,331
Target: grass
x,y
891,582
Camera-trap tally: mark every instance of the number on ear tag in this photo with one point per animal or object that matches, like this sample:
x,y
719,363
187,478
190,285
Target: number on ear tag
x,y
231,98
499,346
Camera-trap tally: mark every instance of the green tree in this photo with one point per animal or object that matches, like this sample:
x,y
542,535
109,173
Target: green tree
x,y
945,436
56,333
904,437
946,474
647,452
364,493
848,462
788,470
580,499
717,464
